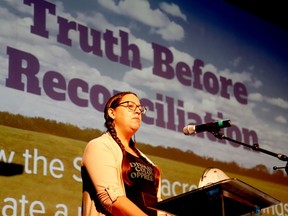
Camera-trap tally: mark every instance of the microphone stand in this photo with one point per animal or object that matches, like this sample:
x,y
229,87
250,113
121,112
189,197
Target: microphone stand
x,y
255,147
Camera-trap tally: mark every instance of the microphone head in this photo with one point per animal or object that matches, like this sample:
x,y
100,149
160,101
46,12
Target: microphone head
x,y
189,130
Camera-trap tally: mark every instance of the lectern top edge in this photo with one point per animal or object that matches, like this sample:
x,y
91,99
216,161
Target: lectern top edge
x,y
232,191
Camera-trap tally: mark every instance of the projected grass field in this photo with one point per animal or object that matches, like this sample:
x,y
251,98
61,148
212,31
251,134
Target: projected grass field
x,y
51,183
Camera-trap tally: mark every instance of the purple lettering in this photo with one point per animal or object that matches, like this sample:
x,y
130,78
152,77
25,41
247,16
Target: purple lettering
x,y
250,137
110,41
64,27
73,87
162,60
160,111
150,106
197,72
98,97
241,93
53,81
181,115
171,115
225,83
233,132
211,83
125,48
23,63
183,73
96,40
40,7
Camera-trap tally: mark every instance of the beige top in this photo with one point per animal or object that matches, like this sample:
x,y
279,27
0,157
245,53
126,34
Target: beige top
x,y
98,196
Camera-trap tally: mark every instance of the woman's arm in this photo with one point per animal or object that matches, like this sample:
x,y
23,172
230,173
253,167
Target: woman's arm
x,y
123,206
102,163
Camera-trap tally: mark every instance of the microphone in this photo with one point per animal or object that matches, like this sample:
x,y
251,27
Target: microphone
x,y
210,127
276,168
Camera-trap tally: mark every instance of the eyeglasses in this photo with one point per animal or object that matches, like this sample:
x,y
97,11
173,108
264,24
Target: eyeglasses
x,y
133,106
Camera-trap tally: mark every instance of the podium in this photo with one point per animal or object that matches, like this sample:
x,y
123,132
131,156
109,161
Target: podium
x,y
230,197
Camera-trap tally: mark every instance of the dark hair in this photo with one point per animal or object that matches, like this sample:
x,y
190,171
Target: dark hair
x,y
113,102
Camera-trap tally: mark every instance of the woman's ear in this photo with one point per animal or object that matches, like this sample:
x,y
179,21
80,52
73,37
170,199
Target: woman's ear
x,y
111,113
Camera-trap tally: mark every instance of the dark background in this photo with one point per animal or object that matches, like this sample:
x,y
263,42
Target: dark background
x,y
270,11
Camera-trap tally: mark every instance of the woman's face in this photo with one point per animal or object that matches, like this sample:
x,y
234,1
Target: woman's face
x,y
127,116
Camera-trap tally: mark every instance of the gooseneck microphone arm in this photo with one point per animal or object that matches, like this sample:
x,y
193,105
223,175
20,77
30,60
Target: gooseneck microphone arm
x,y
255,147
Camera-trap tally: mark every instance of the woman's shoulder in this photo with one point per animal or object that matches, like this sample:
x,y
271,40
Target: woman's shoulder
x,y
103,141
102,138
